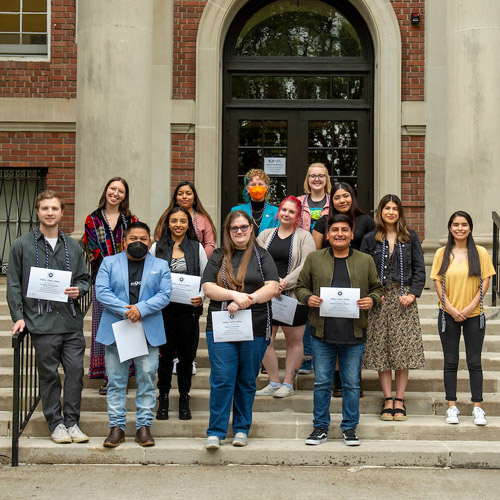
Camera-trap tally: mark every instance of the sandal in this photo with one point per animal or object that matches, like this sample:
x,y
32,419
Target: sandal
x,y
103,390
387,413
399,413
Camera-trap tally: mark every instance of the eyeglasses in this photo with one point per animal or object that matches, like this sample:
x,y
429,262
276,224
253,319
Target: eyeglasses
x,y
243,229
317,176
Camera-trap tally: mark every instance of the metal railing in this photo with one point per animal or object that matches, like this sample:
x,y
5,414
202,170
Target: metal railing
x,y
26,392
496,230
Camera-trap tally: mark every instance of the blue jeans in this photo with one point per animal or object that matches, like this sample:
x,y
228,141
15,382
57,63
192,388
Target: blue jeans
x,y
350,356
145,398
306,340
234,369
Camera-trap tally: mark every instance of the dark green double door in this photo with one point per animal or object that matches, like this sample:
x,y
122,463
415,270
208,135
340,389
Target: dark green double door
x,y
285,142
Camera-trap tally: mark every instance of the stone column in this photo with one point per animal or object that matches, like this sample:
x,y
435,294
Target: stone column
x,y
115,50
463,150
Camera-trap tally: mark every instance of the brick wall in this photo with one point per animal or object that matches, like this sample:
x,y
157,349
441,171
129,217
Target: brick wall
x,y
182,158
413,181
55,151
187,14
54,78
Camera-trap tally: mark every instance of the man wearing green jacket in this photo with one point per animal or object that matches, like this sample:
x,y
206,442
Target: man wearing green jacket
x,y
341,267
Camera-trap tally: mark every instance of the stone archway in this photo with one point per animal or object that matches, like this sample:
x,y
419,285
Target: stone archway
x,y
217,17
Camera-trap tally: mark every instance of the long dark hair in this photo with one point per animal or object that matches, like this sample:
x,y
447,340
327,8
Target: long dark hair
x,y
402,231
166,234
354,211
197,206
124,205
235,282
472,255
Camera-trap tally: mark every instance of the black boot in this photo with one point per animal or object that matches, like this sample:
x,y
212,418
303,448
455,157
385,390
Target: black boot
x,y
184,411
162,413
337,385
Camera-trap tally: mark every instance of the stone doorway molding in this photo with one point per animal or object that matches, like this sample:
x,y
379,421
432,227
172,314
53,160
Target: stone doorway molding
x,y
214,24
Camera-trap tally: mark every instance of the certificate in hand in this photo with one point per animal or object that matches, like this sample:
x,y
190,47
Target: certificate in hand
x,y
184,288
236,327
130,339
339,302
284,309
48,284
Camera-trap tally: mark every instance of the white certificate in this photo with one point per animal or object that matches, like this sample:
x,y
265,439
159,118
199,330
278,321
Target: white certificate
x,y
284,308
184,288
48,284
339,302
130,339
234,327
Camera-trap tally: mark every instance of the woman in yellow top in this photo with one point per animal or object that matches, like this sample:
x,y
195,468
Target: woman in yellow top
x,y
461,272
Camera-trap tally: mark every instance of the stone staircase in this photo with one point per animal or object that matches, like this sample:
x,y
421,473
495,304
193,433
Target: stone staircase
x,y
281,425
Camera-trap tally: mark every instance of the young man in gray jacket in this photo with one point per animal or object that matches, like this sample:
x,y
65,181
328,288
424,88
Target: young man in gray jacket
x,y
56,328
341,267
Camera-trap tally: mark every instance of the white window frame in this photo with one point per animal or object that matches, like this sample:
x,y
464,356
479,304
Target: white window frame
x,y
36,52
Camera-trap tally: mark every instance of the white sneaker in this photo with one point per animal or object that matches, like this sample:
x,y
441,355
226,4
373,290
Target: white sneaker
x,y
269,390
174,368
76,435
60,435
240,439
284,392
194,368
452,415
478,416
212,443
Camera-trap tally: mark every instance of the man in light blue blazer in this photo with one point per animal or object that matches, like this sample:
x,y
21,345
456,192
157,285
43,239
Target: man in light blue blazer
x,y
136,286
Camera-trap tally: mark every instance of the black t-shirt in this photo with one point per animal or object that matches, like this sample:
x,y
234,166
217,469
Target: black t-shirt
x,y
364,224
135,268
253,281
280,251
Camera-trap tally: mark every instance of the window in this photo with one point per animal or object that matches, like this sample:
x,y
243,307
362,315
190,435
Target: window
x,y
23,27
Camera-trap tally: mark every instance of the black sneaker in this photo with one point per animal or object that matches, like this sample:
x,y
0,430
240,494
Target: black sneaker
x,y
350,438
318,436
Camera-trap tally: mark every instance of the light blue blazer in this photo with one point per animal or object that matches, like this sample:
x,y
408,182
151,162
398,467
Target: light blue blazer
x,y
112,291
269,217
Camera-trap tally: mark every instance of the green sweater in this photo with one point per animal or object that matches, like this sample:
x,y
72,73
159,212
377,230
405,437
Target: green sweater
x,y
318,272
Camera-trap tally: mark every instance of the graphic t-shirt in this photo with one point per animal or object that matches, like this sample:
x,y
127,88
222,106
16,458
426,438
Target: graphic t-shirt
x,y
135,268
315,208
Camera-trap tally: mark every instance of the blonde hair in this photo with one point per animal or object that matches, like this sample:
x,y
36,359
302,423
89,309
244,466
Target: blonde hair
x,y
328,187
255,172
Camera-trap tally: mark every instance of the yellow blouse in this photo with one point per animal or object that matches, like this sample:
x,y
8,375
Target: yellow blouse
x,y
460,287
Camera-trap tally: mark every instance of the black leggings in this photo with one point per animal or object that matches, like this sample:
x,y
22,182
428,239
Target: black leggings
x,y
450,340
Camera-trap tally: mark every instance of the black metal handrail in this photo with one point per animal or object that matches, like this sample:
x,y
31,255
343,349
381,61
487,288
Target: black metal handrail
x,y
26,392
496,230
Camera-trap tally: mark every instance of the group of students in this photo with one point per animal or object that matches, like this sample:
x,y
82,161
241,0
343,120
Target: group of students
x,y
319,239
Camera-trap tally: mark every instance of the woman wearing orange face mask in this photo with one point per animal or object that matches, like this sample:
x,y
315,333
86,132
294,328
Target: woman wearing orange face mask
x,y
256,193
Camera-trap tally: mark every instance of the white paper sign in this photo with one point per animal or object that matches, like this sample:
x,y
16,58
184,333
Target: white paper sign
x,y
284,309
130,339
275,166
48,284
339,302
184,288
235,327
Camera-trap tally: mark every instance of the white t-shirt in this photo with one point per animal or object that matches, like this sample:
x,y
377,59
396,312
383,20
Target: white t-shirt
x,y
52,242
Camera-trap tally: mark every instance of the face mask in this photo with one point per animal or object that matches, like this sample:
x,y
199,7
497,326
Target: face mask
x,y
137,250
257,192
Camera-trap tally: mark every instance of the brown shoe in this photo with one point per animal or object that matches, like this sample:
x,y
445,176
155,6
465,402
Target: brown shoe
x,y
143,436
115,437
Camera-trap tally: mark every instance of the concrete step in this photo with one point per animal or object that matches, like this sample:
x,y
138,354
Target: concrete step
x,y
420,380
291,425
417,403
372,453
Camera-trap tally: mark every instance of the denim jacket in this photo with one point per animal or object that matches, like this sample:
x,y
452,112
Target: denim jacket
x,y
413,261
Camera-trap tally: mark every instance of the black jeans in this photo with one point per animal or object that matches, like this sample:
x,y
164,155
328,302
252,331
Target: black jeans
x,y
450,340
182,330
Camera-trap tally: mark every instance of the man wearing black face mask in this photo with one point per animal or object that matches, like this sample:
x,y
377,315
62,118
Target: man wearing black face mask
x,y
136,286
